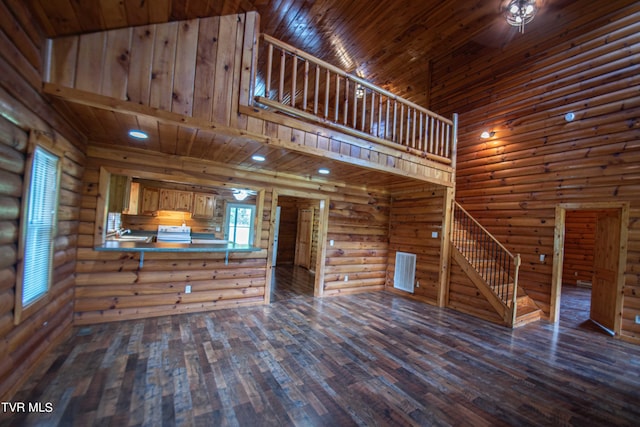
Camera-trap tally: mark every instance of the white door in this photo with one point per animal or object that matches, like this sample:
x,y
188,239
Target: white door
x,y
275,237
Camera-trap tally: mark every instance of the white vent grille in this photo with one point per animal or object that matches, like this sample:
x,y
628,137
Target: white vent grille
x,y
405,271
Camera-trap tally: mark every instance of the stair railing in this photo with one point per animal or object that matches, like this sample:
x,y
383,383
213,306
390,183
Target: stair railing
x,y
488,256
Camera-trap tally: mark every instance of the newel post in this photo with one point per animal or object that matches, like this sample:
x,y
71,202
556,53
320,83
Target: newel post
x,y
514,302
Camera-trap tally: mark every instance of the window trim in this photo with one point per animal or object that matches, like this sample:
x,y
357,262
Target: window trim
x,y
37,141
252,229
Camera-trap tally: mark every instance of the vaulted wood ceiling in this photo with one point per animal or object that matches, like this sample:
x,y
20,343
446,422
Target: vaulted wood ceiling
x,y
390,43
432,52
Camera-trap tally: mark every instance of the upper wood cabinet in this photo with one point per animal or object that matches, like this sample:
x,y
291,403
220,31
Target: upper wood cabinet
x,y
119,187
203,206
175,200
150,201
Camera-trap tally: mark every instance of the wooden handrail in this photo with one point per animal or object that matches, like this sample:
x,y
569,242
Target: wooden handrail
x,y
485,230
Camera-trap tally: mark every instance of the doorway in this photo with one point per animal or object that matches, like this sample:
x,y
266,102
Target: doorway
x,y
299,230
590,247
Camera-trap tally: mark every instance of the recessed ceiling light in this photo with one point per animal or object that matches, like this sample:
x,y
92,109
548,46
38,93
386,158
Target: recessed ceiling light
x,y
324,171
134,133
258,158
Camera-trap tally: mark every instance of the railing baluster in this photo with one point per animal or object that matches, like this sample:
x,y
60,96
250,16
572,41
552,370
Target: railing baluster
x,y
316,90
379,121
420,138
395,118
363,113
346,101
267,87
337,112
401,131
354,115
305,88
283,61
373,112
294,79
326,94
413,129
386,120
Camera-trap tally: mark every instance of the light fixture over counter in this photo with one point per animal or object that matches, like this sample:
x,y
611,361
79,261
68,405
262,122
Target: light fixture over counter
x,y
520,12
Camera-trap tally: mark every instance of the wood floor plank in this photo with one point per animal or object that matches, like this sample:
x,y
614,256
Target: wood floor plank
x,y
366,359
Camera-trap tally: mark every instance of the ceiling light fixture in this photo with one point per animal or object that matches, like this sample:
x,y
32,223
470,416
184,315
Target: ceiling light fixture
x,y
240,194
520,12
138,134
324,171
258,158
486,134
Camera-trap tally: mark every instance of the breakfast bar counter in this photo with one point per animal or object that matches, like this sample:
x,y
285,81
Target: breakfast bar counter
x,y
142,247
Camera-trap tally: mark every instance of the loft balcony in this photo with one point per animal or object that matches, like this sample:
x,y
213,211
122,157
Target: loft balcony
x,y
216,89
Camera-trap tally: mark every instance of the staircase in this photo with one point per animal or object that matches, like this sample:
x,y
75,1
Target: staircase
x,y
492,269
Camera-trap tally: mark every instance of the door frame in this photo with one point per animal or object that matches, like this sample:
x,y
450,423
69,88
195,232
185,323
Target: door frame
x,y
323,224
558,254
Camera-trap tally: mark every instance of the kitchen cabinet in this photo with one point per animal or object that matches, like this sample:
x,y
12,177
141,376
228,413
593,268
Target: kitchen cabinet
x,y
175,200
204,206
150,200
119,188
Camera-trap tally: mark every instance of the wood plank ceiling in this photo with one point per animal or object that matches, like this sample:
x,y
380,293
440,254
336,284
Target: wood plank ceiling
x,y
392,44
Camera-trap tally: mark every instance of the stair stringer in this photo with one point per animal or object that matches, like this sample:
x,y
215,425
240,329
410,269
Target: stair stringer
x,y
478,281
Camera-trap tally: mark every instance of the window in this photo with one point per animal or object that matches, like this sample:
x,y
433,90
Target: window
x,y
39,220
239,220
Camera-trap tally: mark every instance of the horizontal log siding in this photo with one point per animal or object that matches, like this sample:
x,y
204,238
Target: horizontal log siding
x,y
201,68
413,218
111,286
24,345
358,226
537,160
579,243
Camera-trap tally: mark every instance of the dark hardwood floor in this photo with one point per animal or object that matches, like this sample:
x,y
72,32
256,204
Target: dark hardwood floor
x,y
291,282
367,359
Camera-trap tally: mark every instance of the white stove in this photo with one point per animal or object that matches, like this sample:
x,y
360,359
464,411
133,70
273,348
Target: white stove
x,y
174,234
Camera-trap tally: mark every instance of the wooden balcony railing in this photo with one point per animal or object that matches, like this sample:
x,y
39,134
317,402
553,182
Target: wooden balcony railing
x,y
306,87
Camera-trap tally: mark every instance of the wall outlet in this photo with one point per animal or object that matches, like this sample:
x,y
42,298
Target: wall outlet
x,y
417,283
542,257
638,318
346,278
330,242
187,289
434,234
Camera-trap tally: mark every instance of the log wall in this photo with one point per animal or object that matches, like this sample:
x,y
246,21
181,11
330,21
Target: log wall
x,y
513,182
359,229
200,69
414,217
579,244
111,286
24,345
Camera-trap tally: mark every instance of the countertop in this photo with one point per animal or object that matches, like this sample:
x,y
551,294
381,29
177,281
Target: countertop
x,y
120,246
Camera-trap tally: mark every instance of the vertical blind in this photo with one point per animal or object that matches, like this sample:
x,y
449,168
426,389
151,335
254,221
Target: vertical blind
x,y
40,227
